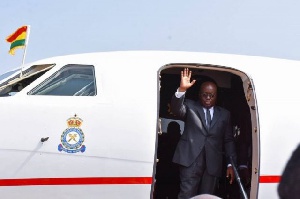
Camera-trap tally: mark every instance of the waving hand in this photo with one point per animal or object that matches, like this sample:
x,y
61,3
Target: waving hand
x,y
185,82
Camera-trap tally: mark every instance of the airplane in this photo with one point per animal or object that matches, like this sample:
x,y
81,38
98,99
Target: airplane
x,y
88,125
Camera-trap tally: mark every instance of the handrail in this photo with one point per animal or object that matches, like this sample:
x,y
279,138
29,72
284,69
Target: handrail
x,y
238,179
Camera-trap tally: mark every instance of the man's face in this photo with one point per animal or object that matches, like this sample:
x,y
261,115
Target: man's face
x,y
208,94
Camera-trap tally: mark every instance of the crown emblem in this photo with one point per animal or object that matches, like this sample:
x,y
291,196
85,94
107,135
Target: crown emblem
x,y
74,121
73,137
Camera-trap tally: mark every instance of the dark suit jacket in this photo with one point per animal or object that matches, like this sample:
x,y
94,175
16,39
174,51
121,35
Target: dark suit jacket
x,y
289,184
196,137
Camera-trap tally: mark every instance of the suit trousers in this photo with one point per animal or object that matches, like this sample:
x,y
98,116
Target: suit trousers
x,y
195,180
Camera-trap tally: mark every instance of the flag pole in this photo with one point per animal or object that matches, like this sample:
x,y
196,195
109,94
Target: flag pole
x,y
24,54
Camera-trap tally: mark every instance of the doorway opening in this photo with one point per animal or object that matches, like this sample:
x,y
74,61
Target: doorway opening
x,y
236,94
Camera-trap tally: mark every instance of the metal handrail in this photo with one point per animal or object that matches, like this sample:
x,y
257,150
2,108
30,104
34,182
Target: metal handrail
x,y
238,179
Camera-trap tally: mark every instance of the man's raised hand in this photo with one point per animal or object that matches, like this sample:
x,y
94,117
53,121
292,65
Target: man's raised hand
x,y
185,82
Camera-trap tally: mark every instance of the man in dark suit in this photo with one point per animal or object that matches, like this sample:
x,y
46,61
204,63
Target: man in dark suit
x,y
207,130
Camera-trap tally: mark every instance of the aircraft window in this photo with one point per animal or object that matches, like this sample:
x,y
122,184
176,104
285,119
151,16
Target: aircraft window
x,y
71,80
7,74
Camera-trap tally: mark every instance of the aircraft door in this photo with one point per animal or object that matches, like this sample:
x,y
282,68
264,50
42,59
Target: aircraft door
x,y
235,93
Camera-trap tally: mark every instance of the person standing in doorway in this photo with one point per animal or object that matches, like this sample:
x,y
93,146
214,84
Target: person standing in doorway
x,y
207,131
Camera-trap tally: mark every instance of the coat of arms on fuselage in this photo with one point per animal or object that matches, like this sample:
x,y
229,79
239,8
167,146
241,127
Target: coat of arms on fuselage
x,y
72,138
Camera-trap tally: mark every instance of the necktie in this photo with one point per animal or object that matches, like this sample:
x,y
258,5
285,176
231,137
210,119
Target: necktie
x,y
208,118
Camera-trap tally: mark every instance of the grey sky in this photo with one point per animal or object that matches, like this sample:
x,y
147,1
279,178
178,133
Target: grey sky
x,y
256,27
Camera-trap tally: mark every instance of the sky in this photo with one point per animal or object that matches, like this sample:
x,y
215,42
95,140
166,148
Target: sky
x,y
250,27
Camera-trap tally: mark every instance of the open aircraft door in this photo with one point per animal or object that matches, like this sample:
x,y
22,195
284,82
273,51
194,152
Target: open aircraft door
x,y
236,93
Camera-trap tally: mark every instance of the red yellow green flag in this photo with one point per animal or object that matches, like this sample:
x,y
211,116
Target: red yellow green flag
x,y
17,39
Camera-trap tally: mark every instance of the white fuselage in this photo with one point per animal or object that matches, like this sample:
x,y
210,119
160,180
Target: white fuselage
x,y
120,126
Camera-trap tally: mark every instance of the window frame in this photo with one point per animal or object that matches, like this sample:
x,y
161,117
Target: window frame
x,y
56,80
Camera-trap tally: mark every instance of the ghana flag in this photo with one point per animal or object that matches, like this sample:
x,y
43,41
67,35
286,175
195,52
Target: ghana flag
x,y
17,39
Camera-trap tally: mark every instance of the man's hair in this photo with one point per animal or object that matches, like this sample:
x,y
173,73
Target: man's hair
x,y
173,126
207,82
